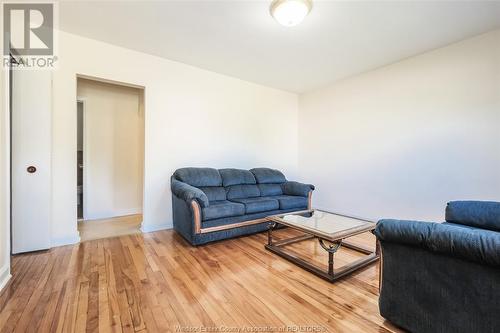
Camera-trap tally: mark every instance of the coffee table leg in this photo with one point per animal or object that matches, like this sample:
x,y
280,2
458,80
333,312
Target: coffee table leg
x,y
331,249
270,229
330,263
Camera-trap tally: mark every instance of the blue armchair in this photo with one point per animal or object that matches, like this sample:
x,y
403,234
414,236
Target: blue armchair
x,y
210,204
443,277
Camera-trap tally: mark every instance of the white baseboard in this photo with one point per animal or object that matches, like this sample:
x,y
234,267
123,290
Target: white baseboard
x,y
4,275
155,227
66,240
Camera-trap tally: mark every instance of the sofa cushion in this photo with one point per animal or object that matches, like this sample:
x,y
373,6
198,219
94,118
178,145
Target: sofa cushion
x,y
270,189
214,193
236,177
268,176
223,208
199,176
259,204
242,191
290,201
480,214
242,218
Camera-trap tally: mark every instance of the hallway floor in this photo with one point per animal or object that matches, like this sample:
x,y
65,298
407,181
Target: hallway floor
x,y
112,227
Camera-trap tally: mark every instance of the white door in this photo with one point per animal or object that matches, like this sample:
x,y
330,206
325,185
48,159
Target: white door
x,y
31,159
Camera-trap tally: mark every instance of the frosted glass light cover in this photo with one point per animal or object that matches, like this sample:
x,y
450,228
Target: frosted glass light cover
x,y
290,12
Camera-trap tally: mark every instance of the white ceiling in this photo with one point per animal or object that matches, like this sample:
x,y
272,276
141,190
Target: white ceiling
x,y
241,39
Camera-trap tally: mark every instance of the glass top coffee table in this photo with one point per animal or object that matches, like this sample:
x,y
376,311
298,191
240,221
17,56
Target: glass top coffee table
x,y
331,230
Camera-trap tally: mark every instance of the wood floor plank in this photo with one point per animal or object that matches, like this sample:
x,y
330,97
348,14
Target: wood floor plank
x,y
157,282
17,308
208,271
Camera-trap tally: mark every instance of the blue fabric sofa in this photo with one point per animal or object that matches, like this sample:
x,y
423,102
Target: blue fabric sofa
x,y
210,204
443,277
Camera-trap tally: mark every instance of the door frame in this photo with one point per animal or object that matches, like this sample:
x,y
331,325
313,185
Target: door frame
x,y
85,152
5,174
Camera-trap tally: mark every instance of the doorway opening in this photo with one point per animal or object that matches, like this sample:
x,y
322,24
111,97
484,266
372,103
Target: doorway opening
x,y
109,158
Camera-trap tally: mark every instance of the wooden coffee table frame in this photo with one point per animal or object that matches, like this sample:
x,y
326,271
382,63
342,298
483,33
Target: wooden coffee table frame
x,y
330,243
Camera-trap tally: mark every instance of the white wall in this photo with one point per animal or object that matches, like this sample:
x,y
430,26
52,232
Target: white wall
x,y
403,140
193,117
113,149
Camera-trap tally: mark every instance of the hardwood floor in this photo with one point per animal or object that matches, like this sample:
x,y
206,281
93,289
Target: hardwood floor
x,y
156,282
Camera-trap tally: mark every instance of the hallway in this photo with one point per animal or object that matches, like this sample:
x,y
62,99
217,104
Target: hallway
x,y
112,227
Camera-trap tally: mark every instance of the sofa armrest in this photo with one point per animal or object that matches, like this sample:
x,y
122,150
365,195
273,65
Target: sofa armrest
x,y
473,244
296,188
188,193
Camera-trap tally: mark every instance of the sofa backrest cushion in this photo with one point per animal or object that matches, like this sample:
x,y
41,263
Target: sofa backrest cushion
x,y
268,176
214,193
236,177
199,177
479,214
242,191
270,189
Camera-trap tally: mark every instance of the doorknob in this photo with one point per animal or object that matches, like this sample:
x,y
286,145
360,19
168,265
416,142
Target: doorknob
x,y
31,169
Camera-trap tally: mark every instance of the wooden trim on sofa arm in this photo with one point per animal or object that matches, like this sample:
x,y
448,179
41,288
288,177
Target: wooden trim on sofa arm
x,y
195,206
233,225
199,230
309,200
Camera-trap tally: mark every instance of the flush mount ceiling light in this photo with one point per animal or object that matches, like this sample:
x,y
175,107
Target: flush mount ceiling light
x,y
290,12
